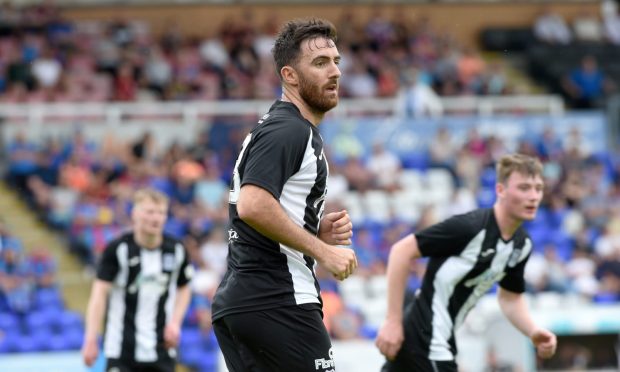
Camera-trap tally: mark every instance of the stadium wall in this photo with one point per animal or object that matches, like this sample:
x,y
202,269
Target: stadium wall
x,y
464,21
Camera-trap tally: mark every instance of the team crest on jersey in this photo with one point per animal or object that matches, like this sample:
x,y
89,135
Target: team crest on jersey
x,y
168,262
514,258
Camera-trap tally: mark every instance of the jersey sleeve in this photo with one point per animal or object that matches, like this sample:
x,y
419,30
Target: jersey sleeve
x,y
275,154
514,280
447,238
186,271
108,264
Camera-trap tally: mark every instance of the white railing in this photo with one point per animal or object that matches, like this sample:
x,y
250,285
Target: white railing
x,y
189,113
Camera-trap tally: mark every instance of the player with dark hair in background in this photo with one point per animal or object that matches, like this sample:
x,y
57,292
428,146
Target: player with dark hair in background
x,y
267,312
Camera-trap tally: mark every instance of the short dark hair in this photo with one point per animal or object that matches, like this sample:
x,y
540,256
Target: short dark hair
x,y
293,33
524,164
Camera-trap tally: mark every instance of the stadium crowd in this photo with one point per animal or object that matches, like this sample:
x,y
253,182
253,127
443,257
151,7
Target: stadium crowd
x,y
83,188
47,58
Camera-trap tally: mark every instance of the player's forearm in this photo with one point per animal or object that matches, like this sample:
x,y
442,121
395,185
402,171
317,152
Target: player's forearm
x,y
397,273
515,308
181,302
94,312
262,212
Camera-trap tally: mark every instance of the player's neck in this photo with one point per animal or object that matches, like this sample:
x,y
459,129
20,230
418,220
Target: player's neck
x,y
148,241
292,96
507,225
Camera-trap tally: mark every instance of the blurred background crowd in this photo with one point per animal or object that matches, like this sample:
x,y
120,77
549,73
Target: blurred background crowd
x,y
81,187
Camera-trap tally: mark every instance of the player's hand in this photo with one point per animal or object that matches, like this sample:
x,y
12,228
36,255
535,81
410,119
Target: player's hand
x,y
390,338
336,228
341,262
90,352
172,332
545,342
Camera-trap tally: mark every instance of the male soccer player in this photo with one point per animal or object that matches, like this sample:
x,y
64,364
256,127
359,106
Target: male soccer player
x,y
267,310
144,275
468,254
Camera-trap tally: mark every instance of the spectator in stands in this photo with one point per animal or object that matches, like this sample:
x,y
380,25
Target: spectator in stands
x,y
443,150
470,68
385,167
144,264
416,340
587,85
587,27
612,27
359,177
15,279
551,28
416,98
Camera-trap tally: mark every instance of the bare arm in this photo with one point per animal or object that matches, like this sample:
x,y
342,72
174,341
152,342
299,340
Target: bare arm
x,y
172,331
259,209
515,309
399,263
181,302
94,317
391,334
96,308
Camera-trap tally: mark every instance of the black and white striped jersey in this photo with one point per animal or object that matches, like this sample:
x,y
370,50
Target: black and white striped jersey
x,y
467,257
284,155
144,282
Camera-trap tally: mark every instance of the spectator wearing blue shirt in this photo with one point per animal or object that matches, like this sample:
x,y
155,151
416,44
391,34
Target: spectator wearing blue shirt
x,y
587,84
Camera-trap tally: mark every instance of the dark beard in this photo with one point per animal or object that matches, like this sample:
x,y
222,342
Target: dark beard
x,y
314,97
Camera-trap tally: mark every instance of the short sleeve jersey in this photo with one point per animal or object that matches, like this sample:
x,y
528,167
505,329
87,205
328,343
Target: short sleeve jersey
x,y
283,155
467,257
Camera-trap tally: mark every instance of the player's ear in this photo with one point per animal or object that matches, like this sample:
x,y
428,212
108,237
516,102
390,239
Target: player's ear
x,y
289,75
499,189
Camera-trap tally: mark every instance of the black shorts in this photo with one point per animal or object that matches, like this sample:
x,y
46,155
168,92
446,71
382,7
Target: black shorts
x,y
120,365
276,340
418,363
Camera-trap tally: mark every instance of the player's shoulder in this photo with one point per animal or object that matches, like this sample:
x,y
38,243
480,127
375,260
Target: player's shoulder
x,y
284,118
170,241
475,220
124,238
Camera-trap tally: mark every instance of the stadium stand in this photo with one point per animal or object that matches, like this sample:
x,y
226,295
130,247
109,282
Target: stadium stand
x,y
81,186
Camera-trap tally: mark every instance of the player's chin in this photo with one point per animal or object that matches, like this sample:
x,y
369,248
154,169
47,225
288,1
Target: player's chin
x,y
529,214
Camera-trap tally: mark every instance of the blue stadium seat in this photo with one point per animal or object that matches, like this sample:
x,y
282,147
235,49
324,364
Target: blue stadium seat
x,y
48,298
487,178
191,355
368,332
8,322
42,339
59,343
24,344
415,160
68,320
74,337
485,197
47,318
208,362
190,337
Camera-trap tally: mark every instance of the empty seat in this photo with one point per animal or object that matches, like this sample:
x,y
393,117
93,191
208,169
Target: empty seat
x,y
376,206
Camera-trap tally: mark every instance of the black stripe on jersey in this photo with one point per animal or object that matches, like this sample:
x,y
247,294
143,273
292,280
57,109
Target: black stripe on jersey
x,y
315,201
316,197
167,250
131,303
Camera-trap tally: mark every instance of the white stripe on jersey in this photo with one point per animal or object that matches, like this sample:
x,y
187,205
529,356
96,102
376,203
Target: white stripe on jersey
x,y
179,254
446,278
146,309
483,282
116,308
293,201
